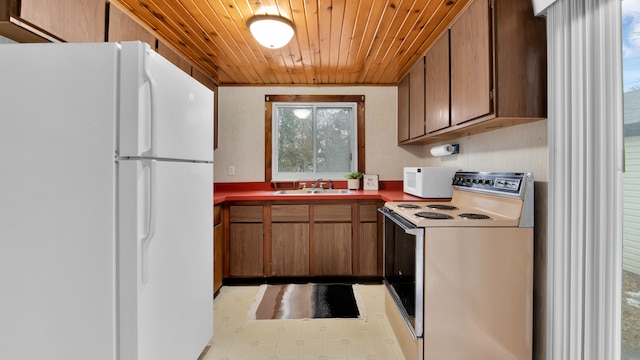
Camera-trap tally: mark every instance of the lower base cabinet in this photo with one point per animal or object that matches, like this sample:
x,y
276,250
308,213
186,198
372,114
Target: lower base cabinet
x,y
289,249
218,248
332,247
245,250
368,249
218,257
302,239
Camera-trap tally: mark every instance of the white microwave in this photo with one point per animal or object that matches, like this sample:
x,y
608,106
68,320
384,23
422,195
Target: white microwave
x,y
429,182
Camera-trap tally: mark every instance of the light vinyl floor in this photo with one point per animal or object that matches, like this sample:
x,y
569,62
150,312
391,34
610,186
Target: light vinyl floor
x,y
236,337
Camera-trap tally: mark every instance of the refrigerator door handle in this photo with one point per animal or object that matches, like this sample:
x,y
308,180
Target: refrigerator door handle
x,y
150,205
152,102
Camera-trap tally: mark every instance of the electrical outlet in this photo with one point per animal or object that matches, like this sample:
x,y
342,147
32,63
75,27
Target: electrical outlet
x,y
232,170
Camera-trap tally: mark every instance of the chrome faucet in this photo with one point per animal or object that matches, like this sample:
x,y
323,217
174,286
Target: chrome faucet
x,y
313,186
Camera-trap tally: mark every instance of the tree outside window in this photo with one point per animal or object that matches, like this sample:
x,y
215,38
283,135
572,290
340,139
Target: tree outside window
x,y
314,140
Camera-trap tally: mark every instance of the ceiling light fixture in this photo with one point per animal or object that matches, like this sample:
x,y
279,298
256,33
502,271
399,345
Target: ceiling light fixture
x,y
271,31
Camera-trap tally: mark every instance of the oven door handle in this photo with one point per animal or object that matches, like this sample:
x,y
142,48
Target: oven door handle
x,y
407,226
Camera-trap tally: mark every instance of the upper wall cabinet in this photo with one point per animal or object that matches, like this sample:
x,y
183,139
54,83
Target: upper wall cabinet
x,y
436,95
470,48
411,103
60,20
416,100
123,27
497,73
174,57
403,108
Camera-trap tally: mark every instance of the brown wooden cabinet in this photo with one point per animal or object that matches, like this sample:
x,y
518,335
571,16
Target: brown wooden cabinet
x,y
45,20
290,240
403,109
246,237
218,248
411,103
122,27
208,82
174,57
497,73
303,238
416,100
471,82
436,95
368,251
332,240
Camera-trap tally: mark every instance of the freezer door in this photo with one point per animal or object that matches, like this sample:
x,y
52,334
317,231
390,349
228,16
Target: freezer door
x,y
164,112
166,267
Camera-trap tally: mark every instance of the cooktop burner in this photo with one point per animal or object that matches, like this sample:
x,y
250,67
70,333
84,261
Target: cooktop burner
x,y
441,207
408,206
433,215
474,216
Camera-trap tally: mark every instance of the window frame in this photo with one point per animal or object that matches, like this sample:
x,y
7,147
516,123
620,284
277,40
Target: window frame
x,y
305,99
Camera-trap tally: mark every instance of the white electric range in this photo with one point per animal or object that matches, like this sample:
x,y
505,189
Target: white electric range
x,y
460,272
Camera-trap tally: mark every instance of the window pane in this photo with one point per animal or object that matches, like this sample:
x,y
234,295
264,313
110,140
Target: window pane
x,y
295,141
314,140
333,140
631,182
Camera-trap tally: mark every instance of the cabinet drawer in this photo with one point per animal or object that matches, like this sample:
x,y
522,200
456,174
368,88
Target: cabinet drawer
x,y
250,214
217,214
369,213
332,213
289,213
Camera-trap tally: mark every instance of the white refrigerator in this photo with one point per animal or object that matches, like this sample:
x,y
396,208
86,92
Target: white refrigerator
x,y
106,197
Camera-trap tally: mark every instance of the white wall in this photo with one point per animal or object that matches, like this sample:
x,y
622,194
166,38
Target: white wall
x,y
241,130
241,137
521,148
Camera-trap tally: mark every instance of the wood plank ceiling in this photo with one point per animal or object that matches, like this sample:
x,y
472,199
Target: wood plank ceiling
x,y
337,42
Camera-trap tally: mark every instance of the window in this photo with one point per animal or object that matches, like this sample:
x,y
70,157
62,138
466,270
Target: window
x,y
313,137
630,348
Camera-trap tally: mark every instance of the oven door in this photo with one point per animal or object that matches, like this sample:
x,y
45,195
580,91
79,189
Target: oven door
x,y
404,268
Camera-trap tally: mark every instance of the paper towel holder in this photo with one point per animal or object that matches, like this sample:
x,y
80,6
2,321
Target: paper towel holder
x,y
447,149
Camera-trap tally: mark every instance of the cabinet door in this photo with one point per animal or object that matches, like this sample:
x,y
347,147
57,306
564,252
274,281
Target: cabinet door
x,y
290,249
218,248
403,109
368,240
246,250
368,249
436,64
122,27
416,100
218,256
471,82
332,249
69,20
174,57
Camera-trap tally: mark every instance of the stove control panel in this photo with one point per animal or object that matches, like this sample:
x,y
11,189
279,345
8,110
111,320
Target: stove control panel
x,y
491,182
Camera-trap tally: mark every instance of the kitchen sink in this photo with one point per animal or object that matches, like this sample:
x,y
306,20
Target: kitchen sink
x,y
313,192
